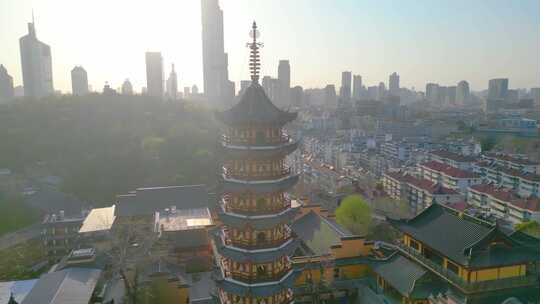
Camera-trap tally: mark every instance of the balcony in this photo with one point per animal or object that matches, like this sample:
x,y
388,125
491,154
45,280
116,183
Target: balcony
x,y
253,244
256,176
266,141
464,286
253,278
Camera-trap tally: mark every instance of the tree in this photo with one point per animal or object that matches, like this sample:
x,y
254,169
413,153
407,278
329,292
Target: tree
x,y
354,214
531,228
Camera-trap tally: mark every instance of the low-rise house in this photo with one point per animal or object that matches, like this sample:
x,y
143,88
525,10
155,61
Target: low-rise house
x,y
504,203
453,159
524,182
515,162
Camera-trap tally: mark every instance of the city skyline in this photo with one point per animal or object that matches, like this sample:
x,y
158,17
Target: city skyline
x,y
445,51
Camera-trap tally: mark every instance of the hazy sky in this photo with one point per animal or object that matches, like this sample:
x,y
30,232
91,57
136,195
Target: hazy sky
x,y
422,40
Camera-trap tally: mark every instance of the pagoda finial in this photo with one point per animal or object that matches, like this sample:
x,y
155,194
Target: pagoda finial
x,y
254,59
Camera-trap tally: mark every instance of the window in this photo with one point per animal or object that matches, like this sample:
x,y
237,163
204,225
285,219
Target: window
x,y
414,245
336,272
452,267
261,237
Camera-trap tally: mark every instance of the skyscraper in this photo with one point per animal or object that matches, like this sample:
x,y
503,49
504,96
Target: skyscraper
x,y
79,81
284,77
127,88
6,85
381,92
36,65
345,90
330,98
217,87
393,84
172,84
432,92
462,93
357,86
498,88
154,74
535,94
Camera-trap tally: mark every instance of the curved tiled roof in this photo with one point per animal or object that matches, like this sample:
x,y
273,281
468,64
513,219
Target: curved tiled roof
x,y
258,152
280,185
255,108
449,170
257,290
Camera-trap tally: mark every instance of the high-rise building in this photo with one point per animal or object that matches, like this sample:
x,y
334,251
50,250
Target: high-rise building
x,y
127,88
450,99
187,92
345,90
172,84
272,88
462,93
154,74
194,90
535,95
432,92
297,96
498,88
254,245
393,84
381,91
217,87
7,91
284,77
79,81
36,63
330,96
357,87
244,84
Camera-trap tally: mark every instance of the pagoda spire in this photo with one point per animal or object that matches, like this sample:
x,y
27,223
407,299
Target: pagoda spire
x,y
254,58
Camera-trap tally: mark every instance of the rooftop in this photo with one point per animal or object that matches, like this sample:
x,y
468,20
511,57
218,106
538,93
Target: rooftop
x,y
146,201
318,233
185,219
99,219
512,159
507,195
449,170
72,285
453,156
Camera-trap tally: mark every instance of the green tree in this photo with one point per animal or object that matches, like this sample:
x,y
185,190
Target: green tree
x,y
354,214
531,228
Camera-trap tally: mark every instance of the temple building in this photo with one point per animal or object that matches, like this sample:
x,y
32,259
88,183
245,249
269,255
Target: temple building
x,y
253,246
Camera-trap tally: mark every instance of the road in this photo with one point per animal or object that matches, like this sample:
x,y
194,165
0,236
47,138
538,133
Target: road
x,y
20,236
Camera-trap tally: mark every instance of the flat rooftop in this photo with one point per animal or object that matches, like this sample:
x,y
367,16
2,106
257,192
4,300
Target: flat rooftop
x,y
185,219
99,219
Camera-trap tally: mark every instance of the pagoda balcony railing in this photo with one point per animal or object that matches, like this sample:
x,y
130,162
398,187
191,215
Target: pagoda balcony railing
x,y
254,278
256,176
267,208
266,141
253,244
469,287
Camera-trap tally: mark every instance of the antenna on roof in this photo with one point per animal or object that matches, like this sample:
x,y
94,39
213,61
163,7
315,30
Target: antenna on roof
x,y
254,58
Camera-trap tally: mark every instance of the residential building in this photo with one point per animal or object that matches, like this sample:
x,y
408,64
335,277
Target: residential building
x,y
514,162
463,93
432,93
59,234
463,162
79,81
357,87
154,74
448,176
535,95
36,63
504,203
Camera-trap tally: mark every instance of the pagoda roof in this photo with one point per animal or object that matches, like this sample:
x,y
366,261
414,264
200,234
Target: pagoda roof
x,y
280,185
266,289
467,240
258,222
254,256
255,108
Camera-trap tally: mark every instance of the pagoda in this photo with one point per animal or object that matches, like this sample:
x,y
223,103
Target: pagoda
x,y
253,245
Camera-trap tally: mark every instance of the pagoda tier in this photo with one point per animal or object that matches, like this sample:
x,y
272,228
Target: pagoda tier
x,y
226,249
236,150
230,186
255,108
256,222
278,292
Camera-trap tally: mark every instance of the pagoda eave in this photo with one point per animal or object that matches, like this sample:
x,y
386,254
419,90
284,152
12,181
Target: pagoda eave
x,y
257,222
259,187
258,152
258,290
253,256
